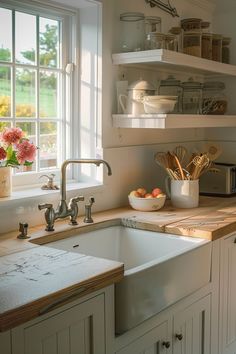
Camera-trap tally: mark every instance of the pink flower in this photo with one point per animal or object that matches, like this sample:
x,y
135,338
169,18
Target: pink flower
x,y
26,152
3,154
11,135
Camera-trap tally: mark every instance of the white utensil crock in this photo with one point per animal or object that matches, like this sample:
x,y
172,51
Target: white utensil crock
x,y
183,193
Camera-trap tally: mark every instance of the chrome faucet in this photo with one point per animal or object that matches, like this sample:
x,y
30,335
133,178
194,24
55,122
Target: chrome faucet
x,y
63,210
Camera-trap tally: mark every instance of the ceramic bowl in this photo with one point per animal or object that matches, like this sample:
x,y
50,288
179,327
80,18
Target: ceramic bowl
x,y
159,104
147,204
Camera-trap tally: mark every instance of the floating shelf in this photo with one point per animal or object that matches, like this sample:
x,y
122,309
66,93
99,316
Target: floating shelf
x,y
173,121
175,61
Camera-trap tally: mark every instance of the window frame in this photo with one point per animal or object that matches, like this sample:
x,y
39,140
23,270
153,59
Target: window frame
x,y
69,34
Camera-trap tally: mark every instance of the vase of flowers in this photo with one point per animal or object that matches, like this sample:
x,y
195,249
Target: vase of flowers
x,y
15,150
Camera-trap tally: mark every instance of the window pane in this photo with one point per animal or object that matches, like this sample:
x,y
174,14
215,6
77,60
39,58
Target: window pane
x,y
25,93
25,34
5,91
48,42
4,125
5,35
48,94
48,145
30,133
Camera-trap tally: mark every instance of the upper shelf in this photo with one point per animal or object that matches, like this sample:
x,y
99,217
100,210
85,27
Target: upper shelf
x,y
175,61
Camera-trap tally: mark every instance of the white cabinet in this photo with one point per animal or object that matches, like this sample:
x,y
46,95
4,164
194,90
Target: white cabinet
x,y
184,332
191,329
75,330
152,342
227,323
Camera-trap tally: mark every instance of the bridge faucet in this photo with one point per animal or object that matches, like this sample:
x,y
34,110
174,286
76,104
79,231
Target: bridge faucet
x,y
63,210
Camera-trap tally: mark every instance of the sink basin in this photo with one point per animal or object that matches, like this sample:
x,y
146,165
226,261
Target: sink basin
x,y
160,268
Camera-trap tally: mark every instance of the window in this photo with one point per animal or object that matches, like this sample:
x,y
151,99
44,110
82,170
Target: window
x,y
36,81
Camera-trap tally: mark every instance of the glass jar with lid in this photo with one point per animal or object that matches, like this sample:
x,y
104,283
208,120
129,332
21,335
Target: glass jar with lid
x,y
217,47
192,97
171,42
226,50
132,31
191,24
214,100
192,43
152,24
172,87
155,40
207,46
177,31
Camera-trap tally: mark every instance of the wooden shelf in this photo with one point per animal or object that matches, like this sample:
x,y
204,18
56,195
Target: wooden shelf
x,y
175,61
173,121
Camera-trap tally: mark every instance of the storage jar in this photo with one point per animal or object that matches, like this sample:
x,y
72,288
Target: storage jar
x,y
192,43
177,31
217,47
192,97
155,40
226,50
214,100
191,24
152,24
171,42
132,31
207,46
172,87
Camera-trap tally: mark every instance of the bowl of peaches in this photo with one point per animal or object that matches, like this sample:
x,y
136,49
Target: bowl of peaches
x,y
142,200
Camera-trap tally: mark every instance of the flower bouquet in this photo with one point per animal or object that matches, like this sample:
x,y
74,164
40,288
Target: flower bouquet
x,y
15,150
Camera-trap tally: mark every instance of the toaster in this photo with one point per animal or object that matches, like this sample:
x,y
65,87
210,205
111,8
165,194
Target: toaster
x,y
221,182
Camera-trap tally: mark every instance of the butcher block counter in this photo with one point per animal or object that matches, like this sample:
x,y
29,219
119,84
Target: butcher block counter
x,y
33,276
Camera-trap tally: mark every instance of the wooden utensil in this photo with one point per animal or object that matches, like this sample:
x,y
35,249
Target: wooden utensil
x,y
180,151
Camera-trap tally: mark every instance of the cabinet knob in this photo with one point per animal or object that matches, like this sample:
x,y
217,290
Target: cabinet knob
x,y
179,336
166,344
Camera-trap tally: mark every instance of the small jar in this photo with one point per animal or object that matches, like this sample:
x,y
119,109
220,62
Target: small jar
x,y
177,31
207,46
192,97
226,50
172,87
191,24
155,40
214,100
132,31
171,42
192,43
152,24
217,47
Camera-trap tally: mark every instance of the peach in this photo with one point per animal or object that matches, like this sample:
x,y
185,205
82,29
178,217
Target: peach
x,y
156,192
135,194
148,195
141,191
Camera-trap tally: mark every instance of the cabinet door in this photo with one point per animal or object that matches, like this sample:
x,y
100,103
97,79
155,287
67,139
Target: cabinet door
x,y
191,331
5,342
152,342
77,330
228,296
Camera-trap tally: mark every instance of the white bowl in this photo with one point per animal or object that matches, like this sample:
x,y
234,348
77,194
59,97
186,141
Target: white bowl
x,y
159,104
147,204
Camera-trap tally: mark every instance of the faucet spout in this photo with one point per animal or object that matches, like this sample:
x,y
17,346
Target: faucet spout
x,y
96,162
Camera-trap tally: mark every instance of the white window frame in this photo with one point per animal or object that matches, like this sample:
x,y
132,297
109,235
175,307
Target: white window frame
x,y
69,18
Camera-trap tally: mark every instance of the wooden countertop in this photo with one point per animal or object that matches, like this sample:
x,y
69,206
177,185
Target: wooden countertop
x,y
34,277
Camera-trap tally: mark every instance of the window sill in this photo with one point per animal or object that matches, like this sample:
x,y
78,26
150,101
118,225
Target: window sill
x,y
34,192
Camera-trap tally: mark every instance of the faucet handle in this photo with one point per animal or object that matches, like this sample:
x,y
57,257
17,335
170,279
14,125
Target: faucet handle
x,y
80,198
23,228
45,206
88,211
91,200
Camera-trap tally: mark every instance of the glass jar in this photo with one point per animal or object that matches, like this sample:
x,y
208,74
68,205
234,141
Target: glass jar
x,y
214,100
192,43
171,42
192,97
155,40
207,46
132,31
191,24
152,24
177,31
172,87
226,50
205,26
217,47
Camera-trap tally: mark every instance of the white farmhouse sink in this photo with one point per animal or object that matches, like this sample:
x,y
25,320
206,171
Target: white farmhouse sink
x,y
160,268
